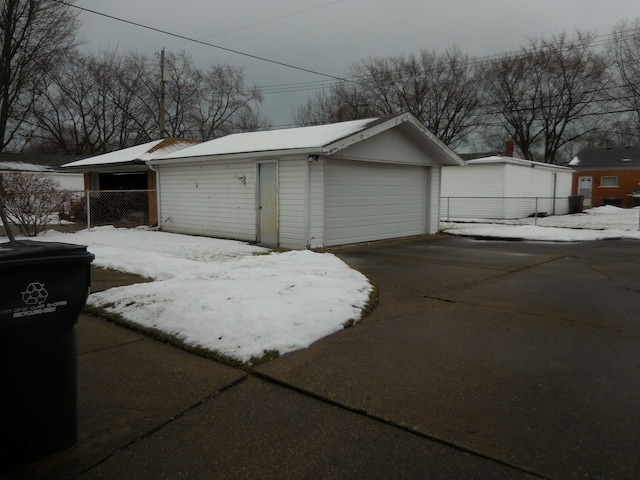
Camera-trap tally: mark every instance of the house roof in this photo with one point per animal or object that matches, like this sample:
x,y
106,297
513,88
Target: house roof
x,y
321,139
29,162
607,157
137,154
502,159
474,155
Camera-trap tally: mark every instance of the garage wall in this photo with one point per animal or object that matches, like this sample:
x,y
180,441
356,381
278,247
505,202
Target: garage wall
x,y
368,201
486,180
536,182
214,199
292,216
391,146
434,179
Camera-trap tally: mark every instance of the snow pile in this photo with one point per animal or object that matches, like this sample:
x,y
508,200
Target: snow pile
x,y
225,296
594,224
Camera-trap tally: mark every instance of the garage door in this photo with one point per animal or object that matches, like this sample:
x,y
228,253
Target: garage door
x,y
365,201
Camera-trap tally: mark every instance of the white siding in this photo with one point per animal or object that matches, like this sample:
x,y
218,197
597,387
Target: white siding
x,y
536,182
367,201
316,203
293,184
476,181
391,146
213,199
502,190
434,175
69,181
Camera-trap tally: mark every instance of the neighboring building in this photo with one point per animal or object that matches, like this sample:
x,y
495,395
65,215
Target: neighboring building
x,y
500,187
608,176
126,170
308,187
47,165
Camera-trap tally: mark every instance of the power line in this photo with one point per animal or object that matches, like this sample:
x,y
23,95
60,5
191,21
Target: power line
x,y
264,22
313,86
184,37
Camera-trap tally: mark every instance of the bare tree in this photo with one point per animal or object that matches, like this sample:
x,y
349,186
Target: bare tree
x,y
342,102
206,104
441,90
624,52
222,98
35,36
95,104
549,95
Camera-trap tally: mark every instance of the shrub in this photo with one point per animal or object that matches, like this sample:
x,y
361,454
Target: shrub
x,y
33,200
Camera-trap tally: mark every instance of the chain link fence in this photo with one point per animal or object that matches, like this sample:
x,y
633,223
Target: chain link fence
x,y
121,208
566,212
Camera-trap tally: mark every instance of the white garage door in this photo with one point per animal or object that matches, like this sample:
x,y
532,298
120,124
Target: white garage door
x,y
365,201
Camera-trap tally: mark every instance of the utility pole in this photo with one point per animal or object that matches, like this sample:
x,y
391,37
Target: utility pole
x,y
162,81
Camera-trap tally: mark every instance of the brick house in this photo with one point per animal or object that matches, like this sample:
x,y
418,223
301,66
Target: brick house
x,y
607,176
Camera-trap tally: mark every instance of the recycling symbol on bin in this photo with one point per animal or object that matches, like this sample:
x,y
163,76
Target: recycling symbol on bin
x,y
35,294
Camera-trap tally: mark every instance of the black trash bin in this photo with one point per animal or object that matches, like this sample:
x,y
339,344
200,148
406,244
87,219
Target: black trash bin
x,y
576,203
43,288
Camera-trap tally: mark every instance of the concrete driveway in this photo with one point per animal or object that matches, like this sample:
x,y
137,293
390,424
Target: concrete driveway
x,y
525,353
484,359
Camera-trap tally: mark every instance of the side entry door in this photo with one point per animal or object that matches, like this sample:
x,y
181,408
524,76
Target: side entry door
x,y
584,189
268,203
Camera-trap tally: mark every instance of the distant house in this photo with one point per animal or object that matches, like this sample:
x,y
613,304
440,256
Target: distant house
x,y
607,176
500,187
126,170
43,164
308,187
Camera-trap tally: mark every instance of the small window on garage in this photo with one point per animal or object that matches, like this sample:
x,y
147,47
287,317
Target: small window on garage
x,y
608,181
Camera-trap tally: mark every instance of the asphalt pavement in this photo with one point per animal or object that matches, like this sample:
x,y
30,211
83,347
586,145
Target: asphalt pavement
x,y
483,359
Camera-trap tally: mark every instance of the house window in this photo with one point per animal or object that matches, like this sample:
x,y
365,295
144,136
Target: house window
x,y
608,181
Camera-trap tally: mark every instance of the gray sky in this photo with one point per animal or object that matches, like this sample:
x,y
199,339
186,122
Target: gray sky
x,y
328,35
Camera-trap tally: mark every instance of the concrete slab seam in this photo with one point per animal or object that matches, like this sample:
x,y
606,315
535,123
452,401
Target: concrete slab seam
x,y
390,423
164,424
123,344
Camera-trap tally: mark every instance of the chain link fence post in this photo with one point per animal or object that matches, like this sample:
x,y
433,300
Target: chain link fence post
x,y
87,196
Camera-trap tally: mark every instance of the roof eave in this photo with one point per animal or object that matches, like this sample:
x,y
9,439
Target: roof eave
x,y
234,156
98,166
446,156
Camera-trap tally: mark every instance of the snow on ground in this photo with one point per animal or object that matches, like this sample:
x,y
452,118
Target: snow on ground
x,y
225,296
599,223
242,300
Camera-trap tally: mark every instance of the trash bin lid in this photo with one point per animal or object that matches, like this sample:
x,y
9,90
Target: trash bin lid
x,y
30,250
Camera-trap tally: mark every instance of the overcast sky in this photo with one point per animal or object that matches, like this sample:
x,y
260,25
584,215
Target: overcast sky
x,y
328,35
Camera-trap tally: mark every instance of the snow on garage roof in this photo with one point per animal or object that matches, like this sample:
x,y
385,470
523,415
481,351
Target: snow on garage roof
x,y
136,154
514,161
314,137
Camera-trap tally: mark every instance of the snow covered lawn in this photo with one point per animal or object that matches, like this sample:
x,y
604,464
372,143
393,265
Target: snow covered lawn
x,y
599,223
224,296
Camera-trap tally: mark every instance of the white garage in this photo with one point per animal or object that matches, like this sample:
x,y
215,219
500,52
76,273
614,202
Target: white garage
x,y
308,187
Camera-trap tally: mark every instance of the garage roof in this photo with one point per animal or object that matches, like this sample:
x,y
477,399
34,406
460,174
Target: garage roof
x,y
137,154
320,139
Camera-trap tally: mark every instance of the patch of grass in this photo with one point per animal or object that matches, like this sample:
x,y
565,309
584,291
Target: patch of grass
x,y
258,254
265,357
349,323
372,302
369,306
